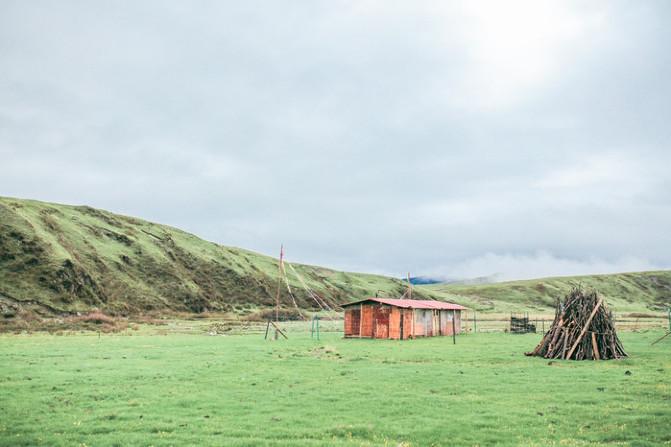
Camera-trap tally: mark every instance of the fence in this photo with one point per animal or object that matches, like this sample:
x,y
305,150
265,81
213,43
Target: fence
x,y
333,323
501,322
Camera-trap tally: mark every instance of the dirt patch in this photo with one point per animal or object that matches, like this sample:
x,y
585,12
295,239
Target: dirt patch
x,y
27,320
326,353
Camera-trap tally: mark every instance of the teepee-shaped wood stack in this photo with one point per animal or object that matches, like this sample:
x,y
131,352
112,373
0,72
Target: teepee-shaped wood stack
x,y
583,329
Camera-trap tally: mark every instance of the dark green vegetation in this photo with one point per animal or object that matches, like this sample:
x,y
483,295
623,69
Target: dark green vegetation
x,y
243,391
60,259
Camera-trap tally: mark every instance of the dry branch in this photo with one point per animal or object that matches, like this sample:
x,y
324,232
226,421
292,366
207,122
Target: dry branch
x,y
579,314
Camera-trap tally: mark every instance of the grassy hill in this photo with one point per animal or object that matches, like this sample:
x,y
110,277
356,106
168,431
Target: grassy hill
x,y
624,292
59,259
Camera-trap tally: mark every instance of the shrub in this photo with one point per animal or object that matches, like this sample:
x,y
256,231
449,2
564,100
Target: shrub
x,y
269,314
95,317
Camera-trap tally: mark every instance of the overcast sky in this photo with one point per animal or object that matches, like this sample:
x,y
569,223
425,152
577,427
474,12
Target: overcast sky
x,y
458,139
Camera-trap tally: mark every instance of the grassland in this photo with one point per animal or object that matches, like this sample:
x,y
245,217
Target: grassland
x,y
624,292
145,389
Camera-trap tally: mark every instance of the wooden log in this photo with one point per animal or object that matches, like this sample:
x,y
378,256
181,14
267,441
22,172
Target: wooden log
x,y
279,330
584,329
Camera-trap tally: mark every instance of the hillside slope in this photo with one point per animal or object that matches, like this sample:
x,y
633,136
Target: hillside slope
x,y
624,292
59,259
64,259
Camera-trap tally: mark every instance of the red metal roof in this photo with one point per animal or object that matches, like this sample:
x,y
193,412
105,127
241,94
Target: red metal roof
x,y
416,304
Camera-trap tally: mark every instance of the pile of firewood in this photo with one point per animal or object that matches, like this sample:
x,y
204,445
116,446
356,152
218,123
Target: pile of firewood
x,y
583,329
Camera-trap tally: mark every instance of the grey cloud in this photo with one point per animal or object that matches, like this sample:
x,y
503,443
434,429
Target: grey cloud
x,y
372,136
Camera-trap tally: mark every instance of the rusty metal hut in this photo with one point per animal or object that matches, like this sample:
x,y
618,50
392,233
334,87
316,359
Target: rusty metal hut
x,y
401,318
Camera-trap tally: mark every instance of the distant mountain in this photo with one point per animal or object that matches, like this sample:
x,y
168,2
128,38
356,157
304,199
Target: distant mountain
x,y
425,280
420,280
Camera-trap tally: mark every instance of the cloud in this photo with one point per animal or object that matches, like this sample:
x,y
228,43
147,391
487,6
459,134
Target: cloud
x,y
541,264
371,136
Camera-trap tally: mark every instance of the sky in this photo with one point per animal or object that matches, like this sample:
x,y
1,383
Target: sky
x,y
518,139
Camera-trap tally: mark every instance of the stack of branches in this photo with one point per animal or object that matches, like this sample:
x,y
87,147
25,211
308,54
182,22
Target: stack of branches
x,y
583,329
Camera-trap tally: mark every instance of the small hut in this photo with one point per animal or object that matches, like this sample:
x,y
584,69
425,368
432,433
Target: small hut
x,y
401,318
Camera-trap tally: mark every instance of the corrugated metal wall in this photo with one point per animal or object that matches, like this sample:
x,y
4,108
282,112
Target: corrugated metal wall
x,y
407,323
366,320
352,321
446,321
395,323
423,323
382,321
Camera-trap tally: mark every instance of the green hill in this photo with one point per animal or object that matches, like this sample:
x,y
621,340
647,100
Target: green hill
x,y
63,259
624,292
59,259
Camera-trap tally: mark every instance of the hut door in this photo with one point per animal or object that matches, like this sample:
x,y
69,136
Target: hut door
x,y
367,322
381,322
352,322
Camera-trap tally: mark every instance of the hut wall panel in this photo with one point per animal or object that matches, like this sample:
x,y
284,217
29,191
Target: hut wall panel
x,y
381,321
395,323
457,322
366,321
443,322
352,322
407,323
423,322
428,317
418,324
449,315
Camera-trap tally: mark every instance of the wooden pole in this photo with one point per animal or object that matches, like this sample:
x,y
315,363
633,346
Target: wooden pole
x,y
317,328
279,284
584,329
267,327
279,287
277,329
409,287
662,338
595,347
454,332
475,323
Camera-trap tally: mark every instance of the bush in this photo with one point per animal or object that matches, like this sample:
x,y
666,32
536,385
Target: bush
x,y
95,317
269,314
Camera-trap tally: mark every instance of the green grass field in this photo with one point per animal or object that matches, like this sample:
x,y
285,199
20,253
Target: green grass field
x,y
240,390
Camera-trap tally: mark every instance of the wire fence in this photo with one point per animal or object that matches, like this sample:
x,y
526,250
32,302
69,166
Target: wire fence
x,y
473,323
481,323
